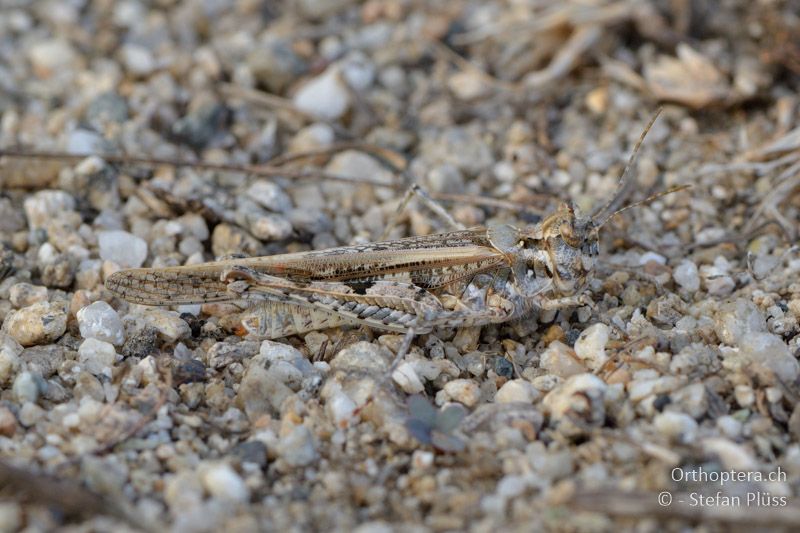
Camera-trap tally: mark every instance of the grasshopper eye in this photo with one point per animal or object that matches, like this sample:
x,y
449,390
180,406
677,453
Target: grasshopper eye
x,y
568,234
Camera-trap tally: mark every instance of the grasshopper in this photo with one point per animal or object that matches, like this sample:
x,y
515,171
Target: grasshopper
x,y
465,278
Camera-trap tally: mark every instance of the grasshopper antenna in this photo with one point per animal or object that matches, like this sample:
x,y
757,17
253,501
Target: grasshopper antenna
x,y
649,199
622,187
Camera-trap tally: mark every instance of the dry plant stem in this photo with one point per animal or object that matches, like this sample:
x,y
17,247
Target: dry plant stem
x,y
787,181
256,170
417,191
759,168
489,202
445,52
68,496
736,239
566,59
394,160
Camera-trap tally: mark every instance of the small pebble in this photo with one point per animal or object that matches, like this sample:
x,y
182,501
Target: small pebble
x,y
137,59
261,392
123,248
421,459
97,356
8,422
591,346
269,195
678,427
11,516
100,321
737,320
560,360
10,351
40,323
25,388
298,448
744,394
362,357
325,97
686,275
407,379
516,390
770,352
269,227
731,427
44,206
169,324
48,56
465,391
221,481
25,294
341,409
30,414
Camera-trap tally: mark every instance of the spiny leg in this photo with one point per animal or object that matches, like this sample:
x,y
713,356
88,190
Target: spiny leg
x,y
430,203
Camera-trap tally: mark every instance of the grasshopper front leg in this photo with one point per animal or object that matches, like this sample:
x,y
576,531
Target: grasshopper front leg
x,y
575,300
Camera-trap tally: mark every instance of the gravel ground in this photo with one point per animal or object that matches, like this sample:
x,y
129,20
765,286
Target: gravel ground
x,y
115,416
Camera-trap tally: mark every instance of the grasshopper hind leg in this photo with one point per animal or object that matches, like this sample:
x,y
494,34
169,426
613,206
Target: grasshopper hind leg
x,y
273,320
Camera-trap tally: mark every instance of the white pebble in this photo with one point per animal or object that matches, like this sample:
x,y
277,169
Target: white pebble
x,y
100,321
770,352
46,205
123,248
269,195
358,71
407,379
421,459
82,142
10,351
10,516
652,256
731,427
168,323
221,481
341,409
744,395
325,96
137,59
298,448
275,351
678,427
50,55
591,346
731,455
72,420
29,414
559,401
97,356
516,390
465,391
25,388
639,388
686,275
560,360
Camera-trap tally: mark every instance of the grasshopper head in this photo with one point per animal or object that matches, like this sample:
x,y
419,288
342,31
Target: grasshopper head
x,y
570,243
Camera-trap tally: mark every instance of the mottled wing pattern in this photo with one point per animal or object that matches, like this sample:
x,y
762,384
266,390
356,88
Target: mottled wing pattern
x,y
429,262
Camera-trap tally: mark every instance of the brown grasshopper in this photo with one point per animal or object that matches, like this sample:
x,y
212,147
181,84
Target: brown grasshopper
x,y
463,278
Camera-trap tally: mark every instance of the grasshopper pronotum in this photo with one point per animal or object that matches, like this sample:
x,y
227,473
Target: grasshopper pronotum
x,y
463,278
